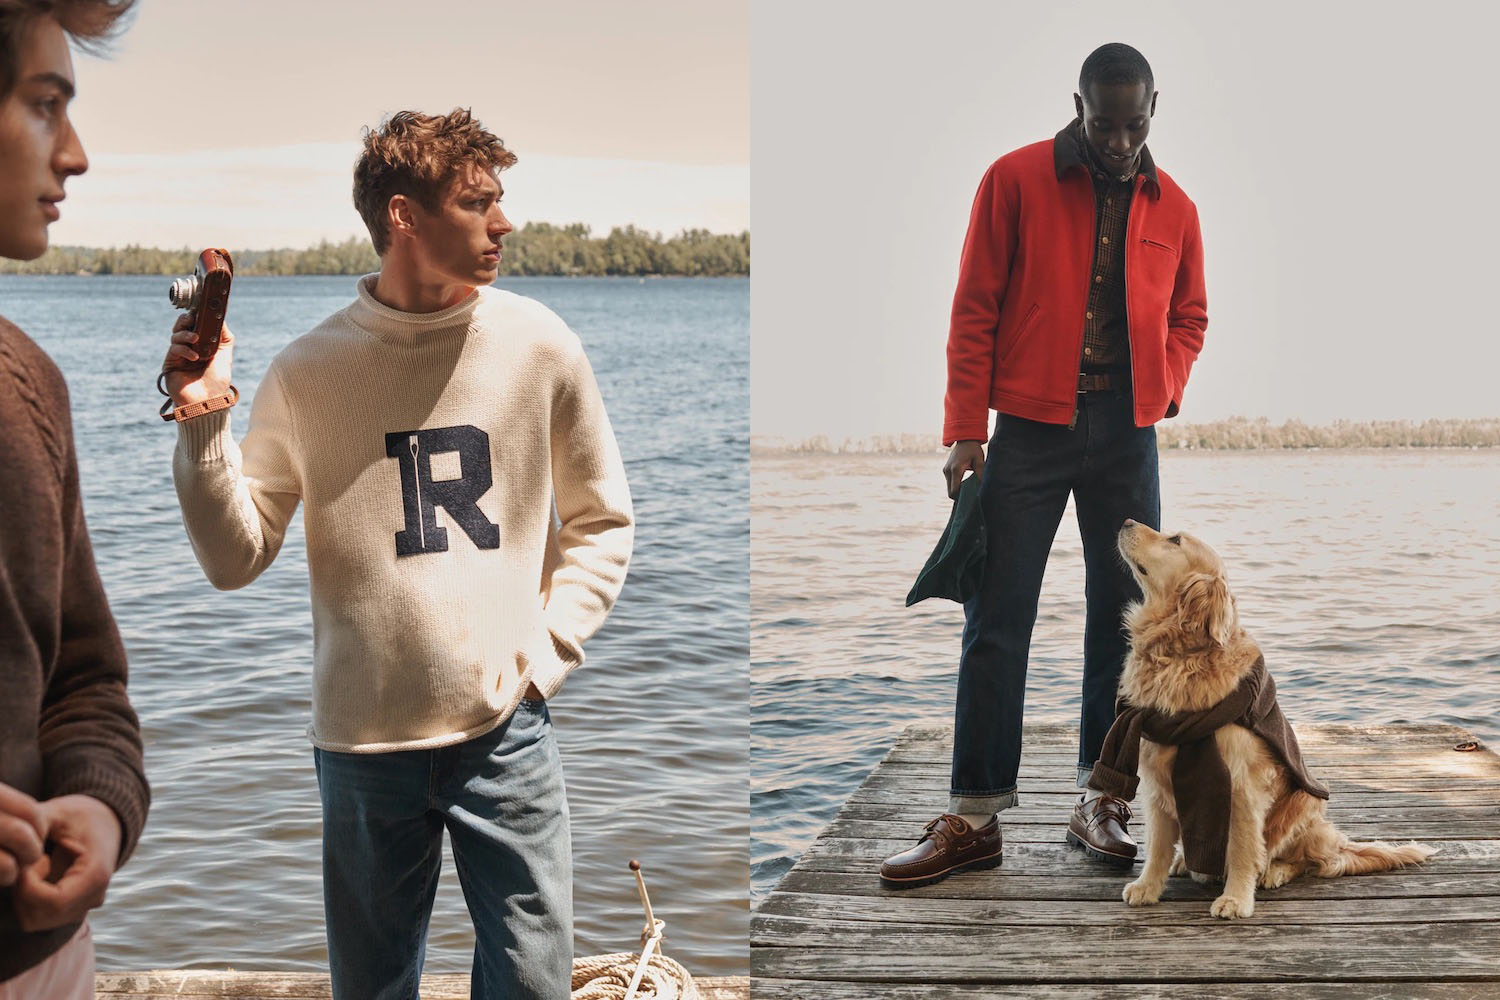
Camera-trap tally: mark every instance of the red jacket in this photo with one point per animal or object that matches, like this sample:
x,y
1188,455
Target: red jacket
x,y
1016,339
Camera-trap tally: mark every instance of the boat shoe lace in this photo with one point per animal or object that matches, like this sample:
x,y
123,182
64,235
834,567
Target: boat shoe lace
x,y
1108,806
947,836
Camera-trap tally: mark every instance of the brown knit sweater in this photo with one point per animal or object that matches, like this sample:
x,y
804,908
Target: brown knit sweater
x,y
66,725
1200,779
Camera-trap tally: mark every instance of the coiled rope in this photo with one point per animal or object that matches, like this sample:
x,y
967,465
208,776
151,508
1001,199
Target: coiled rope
x,y
607,977
643,975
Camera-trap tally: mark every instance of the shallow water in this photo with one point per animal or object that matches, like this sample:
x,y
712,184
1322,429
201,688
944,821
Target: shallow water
x,y
653,729
1368,577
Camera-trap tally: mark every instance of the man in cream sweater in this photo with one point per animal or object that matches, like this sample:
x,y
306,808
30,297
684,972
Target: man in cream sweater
x,y
437,640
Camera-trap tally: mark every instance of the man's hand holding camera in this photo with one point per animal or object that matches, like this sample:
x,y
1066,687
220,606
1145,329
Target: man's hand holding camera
x,y
58,855
195,374
196,385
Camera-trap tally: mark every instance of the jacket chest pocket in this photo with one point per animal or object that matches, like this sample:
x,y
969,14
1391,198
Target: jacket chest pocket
x,y
1157,267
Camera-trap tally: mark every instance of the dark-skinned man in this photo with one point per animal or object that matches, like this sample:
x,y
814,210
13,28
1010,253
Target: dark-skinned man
x,y
1079,311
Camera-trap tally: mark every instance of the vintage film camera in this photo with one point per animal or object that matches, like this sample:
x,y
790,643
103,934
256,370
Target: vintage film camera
x,y
204,293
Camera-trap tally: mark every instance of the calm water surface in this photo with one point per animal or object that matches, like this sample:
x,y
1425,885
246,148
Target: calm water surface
x,y
1368,577
653,730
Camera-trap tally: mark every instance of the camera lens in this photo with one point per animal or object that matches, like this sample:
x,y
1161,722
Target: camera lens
x,y
184,292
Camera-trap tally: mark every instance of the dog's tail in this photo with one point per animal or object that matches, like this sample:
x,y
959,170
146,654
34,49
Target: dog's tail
x,y
1338,855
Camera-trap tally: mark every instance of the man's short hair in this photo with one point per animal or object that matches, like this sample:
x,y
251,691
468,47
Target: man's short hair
x,y
1115,63
417,155
89,23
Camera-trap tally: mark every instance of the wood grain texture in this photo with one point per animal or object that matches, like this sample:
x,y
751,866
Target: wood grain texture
x,y
198,984
1050,922
809,989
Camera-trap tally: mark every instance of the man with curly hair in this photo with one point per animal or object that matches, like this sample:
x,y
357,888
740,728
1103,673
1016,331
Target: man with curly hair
x,y
1079,311
73,793
438,639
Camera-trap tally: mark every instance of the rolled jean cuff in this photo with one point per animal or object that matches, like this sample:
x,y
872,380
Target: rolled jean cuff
x,y
980,805
1084,771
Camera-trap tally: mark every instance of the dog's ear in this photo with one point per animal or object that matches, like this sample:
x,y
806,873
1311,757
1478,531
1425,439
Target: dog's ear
x,y
1207,608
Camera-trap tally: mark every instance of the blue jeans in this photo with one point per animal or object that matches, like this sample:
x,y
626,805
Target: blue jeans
x,y
501,798
1109,466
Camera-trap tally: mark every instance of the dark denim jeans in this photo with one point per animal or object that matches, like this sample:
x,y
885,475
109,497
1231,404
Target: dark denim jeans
x,y
1109,466
501,798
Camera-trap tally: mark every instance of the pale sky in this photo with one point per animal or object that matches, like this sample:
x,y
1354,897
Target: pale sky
x,y
1340,159
239,123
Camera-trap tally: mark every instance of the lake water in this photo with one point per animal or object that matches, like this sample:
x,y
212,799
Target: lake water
x,y
653,730
1368,577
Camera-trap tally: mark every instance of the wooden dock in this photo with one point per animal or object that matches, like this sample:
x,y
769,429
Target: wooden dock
x,y
1050,922
198,984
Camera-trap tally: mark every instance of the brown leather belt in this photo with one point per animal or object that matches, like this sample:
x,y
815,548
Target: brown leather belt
x,y
1099,383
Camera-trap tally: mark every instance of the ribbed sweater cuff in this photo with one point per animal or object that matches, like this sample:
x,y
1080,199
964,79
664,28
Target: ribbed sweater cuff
x,y
81,771
1206,856
203,439
1111,782
552,665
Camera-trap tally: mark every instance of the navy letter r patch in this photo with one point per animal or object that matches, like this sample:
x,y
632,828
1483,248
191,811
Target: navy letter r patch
x,y
420,495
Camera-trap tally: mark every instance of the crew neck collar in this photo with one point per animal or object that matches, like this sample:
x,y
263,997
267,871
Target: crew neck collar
x,y
396,326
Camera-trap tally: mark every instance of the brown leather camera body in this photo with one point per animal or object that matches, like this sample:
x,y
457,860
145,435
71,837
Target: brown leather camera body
x,y
215,272
206,295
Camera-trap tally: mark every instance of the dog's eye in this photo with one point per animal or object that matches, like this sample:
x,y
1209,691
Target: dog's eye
x,y
1175,539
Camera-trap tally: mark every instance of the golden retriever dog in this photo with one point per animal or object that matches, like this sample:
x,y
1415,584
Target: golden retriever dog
x,y
1187,652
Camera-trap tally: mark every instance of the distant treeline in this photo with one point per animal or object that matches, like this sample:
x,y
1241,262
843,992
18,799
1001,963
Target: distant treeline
x,y
1234,434
1241,433
538,248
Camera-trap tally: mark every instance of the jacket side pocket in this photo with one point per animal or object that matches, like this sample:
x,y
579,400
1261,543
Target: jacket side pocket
x,y
1015,341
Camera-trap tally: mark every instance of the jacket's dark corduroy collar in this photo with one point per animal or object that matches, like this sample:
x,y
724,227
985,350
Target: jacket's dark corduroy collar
x,y
1067,156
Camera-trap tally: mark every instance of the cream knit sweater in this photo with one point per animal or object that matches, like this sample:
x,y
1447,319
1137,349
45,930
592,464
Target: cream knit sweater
x,y
431,451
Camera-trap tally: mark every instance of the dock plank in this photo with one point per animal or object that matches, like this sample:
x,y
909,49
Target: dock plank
x,y
202,984
1050,922
807,989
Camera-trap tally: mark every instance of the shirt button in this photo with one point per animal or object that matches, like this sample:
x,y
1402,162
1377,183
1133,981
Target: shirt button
x,y
1098,278
1088,315
1104,239
1088,350
1109,201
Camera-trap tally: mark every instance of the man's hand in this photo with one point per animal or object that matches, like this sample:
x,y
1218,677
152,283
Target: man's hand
x,y
64,884
196,386
23,831
964,456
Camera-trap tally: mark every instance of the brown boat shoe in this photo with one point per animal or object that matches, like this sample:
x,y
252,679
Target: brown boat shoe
x,y
948,844
1098,826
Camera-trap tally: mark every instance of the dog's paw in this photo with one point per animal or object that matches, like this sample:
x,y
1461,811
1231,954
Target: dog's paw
x,y
1229,907
1278,875
1179,864
1138,893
